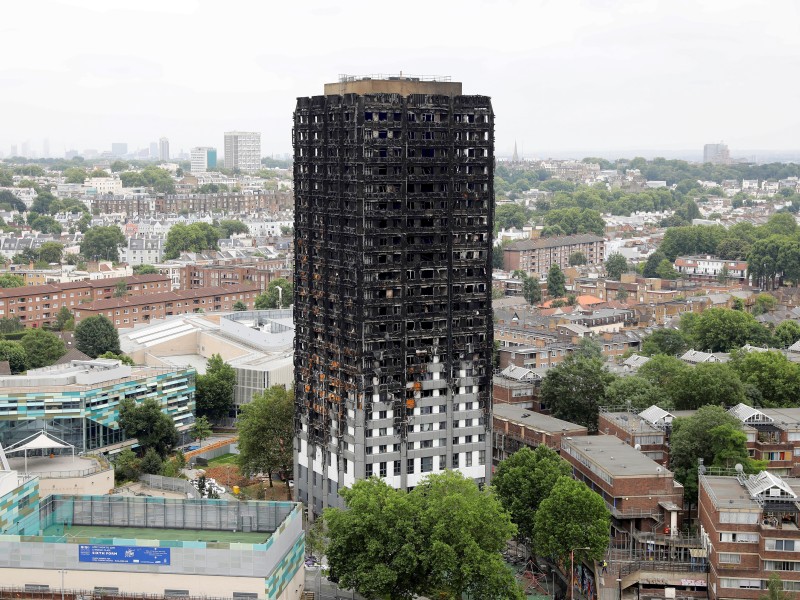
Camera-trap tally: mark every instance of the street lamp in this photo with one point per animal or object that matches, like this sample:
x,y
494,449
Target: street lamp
x,y
280,296
619,583
571,571
62,571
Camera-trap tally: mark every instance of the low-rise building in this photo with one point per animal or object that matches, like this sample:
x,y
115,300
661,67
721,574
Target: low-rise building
x,y
711,267
536,256
515,427
750,526
129,310
79,401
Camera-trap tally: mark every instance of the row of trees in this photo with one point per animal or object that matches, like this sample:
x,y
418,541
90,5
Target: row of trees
x,y
446,534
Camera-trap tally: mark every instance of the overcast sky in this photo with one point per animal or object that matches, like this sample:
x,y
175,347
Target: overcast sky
x,y
565,76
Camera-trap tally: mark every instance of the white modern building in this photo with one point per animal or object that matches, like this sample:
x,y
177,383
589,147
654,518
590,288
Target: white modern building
x,y
243,150
203,158
163,149
711,267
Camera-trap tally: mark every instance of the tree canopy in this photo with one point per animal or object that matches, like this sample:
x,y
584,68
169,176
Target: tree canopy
x,y
723,329
273,298
441,540
572,516
575,389
556,281
96,335
42,347
616,265
196,237
524,479
146,422
214,390
664,341
266,434
102,243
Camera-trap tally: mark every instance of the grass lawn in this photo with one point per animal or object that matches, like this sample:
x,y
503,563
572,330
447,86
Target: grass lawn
x,y
225,459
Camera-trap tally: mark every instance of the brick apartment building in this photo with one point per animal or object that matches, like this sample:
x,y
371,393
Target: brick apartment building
x,y
128,311
641,494
536,256
773,434
38,305
200,276
515,427
749,526
231,203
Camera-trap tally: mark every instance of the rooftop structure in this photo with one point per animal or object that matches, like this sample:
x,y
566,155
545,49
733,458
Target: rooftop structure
x,y
516,427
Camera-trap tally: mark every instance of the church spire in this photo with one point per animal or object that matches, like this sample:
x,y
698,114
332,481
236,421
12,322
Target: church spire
x,y
515,157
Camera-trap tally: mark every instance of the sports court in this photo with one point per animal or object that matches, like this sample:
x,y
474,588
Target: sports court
x,y
156,533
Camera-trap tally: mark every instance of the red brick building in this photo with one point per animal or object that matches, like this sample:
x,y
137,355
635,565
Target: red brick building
x,y
38,305
536,256
261,274
515,427
130,310
749,525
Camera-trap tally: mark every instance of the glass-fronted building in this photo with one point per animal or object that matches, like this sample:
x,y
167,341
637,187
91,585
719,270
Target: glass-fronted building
x,y
78,402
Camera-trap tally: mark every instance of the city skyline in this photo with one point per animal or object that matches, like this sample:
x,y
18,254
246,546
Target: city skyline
x,y
610,77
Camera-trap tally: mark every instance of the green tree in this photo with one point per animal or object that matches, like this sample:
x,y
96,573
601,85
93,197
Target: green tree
x,y
524,480
691,439
147,423
722,329
9,201
273,298
99,173
42,348
7,280
119,165
707,383
124,358
126,466
616,265
196,237
444,541
511,215
531,290
663,370
572,516
214,390
664,341
239,306
574,390
764,303
96,335
10,325
74,175
102,243
635,392
200,429
665,270
775,377
230,228
151,462
622,295
653,263
775,589
64,320
51,252
15,354
787,333
41,204
577,258
556,281
145,270
121,289
44,223
266,431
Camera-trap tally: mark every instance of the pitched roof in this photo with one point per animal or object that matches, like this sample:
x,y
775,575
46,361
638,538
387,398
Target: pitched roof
x,y
748,414
656,415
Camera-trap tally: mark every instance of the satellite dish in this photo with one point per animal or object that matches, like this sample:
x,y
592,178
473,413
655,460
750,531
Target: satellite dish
x,y
658,469
637,447
739,468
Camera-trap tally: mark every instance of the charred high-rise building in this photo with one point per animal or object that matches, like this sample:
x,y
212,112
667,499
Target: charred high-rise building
x,y
392,288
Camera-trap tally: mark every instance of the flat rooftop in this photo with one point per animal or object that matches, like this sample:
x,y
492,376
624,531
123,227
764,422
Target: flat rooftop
x,y
534,420
612,455
61,465
403,85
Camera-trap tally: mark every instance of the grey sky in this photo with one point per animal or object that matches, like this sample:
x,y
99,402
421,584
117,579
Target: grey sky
x,y
564,75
